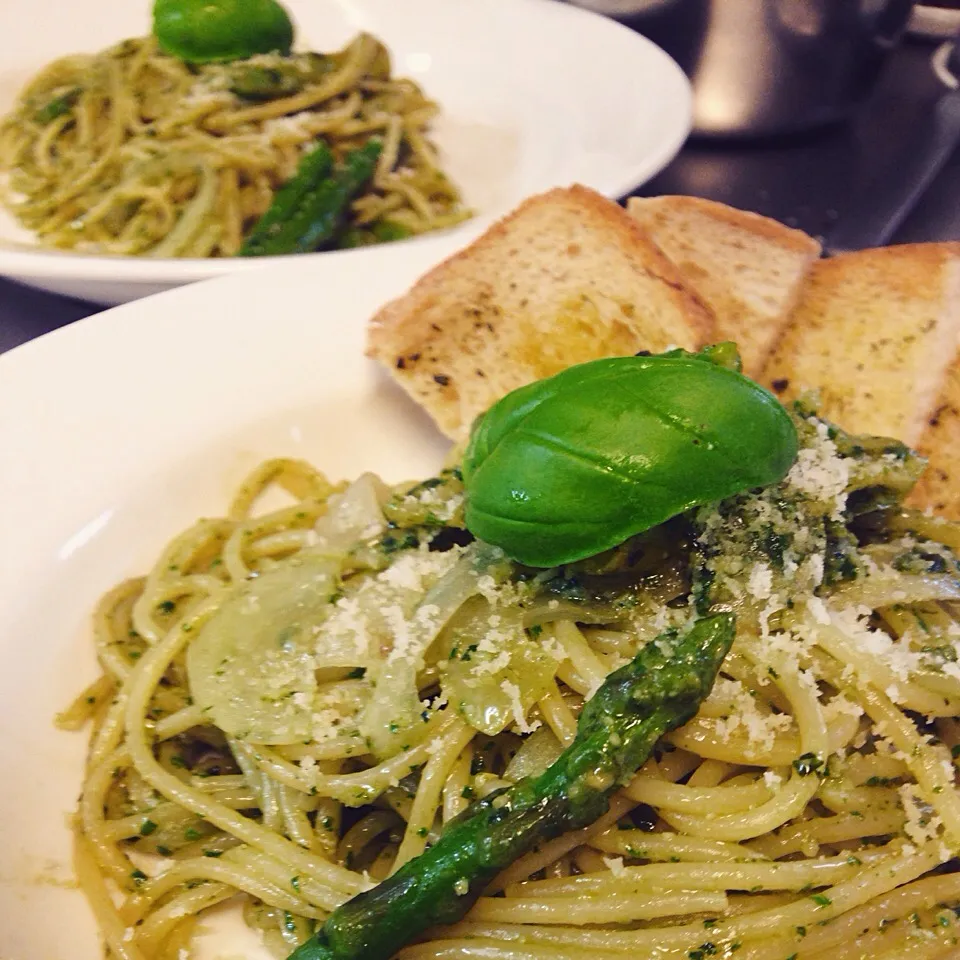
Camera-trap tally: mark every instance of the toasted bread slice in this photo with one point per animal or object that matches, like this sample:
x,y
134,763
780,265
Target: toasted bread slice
x,y
939,487
748,269
874,332
567,277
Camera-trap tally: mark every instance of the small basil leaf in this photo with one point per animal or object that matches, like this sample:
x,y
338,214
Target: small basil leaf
x,y
573,465
210,31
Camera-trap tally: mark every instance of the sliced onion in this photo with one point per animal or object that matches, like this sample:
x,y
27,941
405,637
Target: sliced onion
x,y
252,668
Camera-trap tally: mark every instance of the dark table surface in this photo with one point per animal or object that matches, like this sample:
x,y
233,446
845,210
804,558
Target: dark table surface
x,y
807,181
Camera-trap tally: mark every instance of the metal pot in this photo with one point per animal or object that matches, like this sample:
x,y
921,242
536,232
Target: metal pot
x,y
766,67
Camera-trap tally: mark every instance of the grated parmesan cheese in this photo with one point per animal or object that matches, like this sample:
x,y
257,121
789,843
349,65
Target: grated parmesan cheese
x,y
760,728
818,610
760,584
922,826
820,473
615,865
487,588
489,667
516,706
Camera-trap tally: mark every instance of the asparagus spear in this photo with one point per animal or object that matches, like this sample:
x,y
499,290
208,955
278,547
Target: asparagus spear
x,y
312,169
266,83
318,213
58,106
660,689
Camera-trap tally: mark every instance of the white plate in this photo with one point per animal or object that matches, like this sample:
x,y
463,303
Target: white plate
x,y
117,432
534,93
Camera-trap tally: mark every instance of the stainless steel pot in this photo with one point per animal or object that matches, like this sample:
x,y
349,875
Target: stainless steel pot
x,y
765,67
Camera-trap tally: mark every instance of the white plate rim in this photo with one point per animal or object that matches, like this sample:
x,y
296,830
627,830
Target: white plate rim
x,y
45,264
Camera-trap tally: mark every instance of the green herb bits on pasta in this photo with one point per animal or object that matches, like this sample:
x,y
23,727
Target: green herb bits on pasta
x,y
573,465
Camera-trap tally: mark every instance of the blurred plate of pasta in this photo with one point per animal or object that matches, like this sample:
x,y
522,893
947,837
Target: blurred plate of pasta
x,y
126,172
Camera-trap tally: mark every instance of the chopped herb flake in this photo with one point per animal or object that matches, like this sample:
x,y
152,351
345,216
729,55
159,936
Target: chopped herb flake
x,y
807,764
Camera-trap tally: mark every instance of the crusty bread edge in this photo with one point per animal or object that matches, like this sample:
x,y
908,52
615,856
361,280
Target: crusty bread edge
x,y
942,475
762,226
949,284
383,342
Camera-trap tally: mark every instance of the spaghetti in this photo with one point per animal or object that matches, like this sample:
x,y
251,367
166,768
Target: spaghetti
x,y
295,701
130,151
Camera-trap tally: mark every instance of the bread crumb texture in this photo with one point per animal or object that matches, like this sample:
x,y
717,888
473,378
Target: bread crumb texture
x,y
873,334
567,277
939,486
747,268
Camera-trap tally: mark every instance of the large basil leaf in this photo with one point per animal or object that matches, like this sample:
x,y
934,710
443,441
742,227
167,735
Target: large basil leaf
x,y
572,465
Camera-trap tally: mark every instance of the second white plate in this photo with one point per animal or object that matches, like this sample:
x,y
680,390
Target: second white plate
x,y
534,94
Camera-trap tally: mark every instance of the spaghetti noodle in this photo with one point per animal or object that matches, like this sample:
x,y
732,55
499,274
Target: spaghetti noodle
x,y
294,702
130,151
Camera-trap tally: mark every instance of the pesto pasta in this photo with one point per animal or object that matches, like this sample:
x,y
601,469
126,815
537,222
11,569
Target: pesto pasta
x,y
134,152
294,701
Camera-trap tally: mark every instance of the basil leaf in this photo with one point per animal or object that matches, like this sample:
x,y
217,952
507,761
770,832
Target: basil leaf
x,y
211,31
573,465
